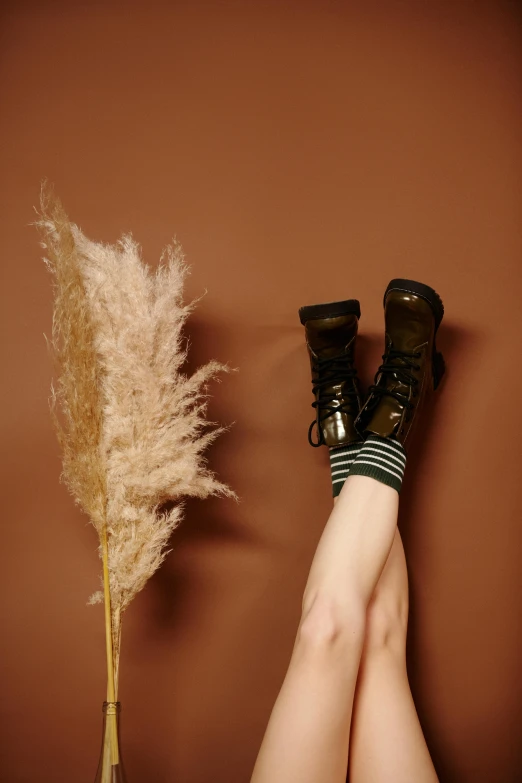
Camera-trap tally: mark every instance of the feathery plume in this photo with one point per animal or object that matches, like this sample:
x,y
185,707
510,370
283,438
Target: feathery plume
x,y
131,424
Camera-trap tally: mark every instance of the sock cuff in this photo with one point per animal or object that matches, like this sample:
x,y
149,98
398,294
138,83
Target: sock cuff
x,y
382,459
346,448
341,460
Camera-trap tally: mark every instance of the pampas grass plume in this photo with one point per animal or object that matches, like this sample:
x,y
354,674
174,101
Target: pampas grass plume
x,y
130,422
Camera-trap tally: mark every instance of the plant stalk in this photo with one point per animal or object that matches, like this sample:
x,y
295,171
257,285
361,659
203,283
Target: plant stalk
x,y
113,757
116,636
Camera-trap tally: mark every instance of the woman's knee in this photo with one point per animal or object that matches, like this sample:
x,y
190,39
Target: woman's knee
x,y
329,622
387,622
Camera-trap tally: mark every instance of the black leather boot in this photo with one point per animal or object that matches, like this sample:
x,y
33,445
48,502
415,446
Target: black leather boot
x,y
331,330
412,366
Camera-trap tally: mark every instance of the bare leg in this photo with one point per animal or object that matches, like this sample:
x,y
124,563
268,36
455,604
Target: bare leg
x,y
308,733
387,743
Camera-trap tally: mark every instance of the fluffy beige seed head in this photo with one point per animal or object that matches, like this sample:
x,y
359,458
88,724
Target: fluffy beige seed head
x,y
131,424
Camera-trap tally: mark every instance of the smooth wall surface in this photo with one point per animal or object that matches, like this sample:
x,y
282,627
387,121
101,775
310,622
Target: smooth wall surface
x,y
301,152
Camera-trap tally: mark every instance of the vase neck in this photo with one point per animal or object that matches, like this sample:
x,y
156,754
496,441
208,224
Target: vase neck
x,y
111,708
110,766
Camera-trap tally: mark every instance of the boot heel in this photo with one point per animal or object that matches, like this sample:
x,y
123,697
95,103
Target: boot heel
x,y
438,367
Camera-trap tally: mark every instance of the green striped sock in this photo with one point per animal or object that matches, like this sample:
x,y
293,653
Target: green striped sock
x,y
341,460
381,458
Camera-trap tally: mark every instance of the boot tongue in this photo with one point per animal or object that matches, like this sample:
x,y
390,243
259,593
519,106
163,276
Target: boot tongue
x,y
408,337
328,351
325,340
407,322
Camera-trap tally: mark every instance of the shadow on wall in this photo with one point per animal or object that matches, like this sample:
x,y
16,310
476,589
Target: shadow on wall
x,y
211,521
175,582
453,342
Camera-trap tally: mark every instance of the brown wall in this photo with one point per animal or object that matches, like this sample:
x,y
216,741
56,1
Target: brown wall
x,y
301,152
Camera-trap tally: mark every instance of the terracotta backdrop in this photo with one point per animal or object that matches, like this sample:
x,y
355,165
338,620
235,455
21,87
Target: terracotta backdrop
x,y
301,152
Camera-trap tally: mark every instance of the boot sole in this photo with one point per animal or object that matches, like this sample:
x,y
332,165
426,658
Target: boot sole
x,y
435,302
330,310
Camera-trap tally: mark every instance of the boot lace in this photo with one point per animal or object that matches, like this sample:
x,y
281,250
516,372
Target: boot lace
x,y
330,371
402,372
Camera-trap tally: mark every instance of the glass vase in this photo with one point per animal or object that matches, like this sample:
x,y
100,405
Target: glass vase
x,y
110,766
